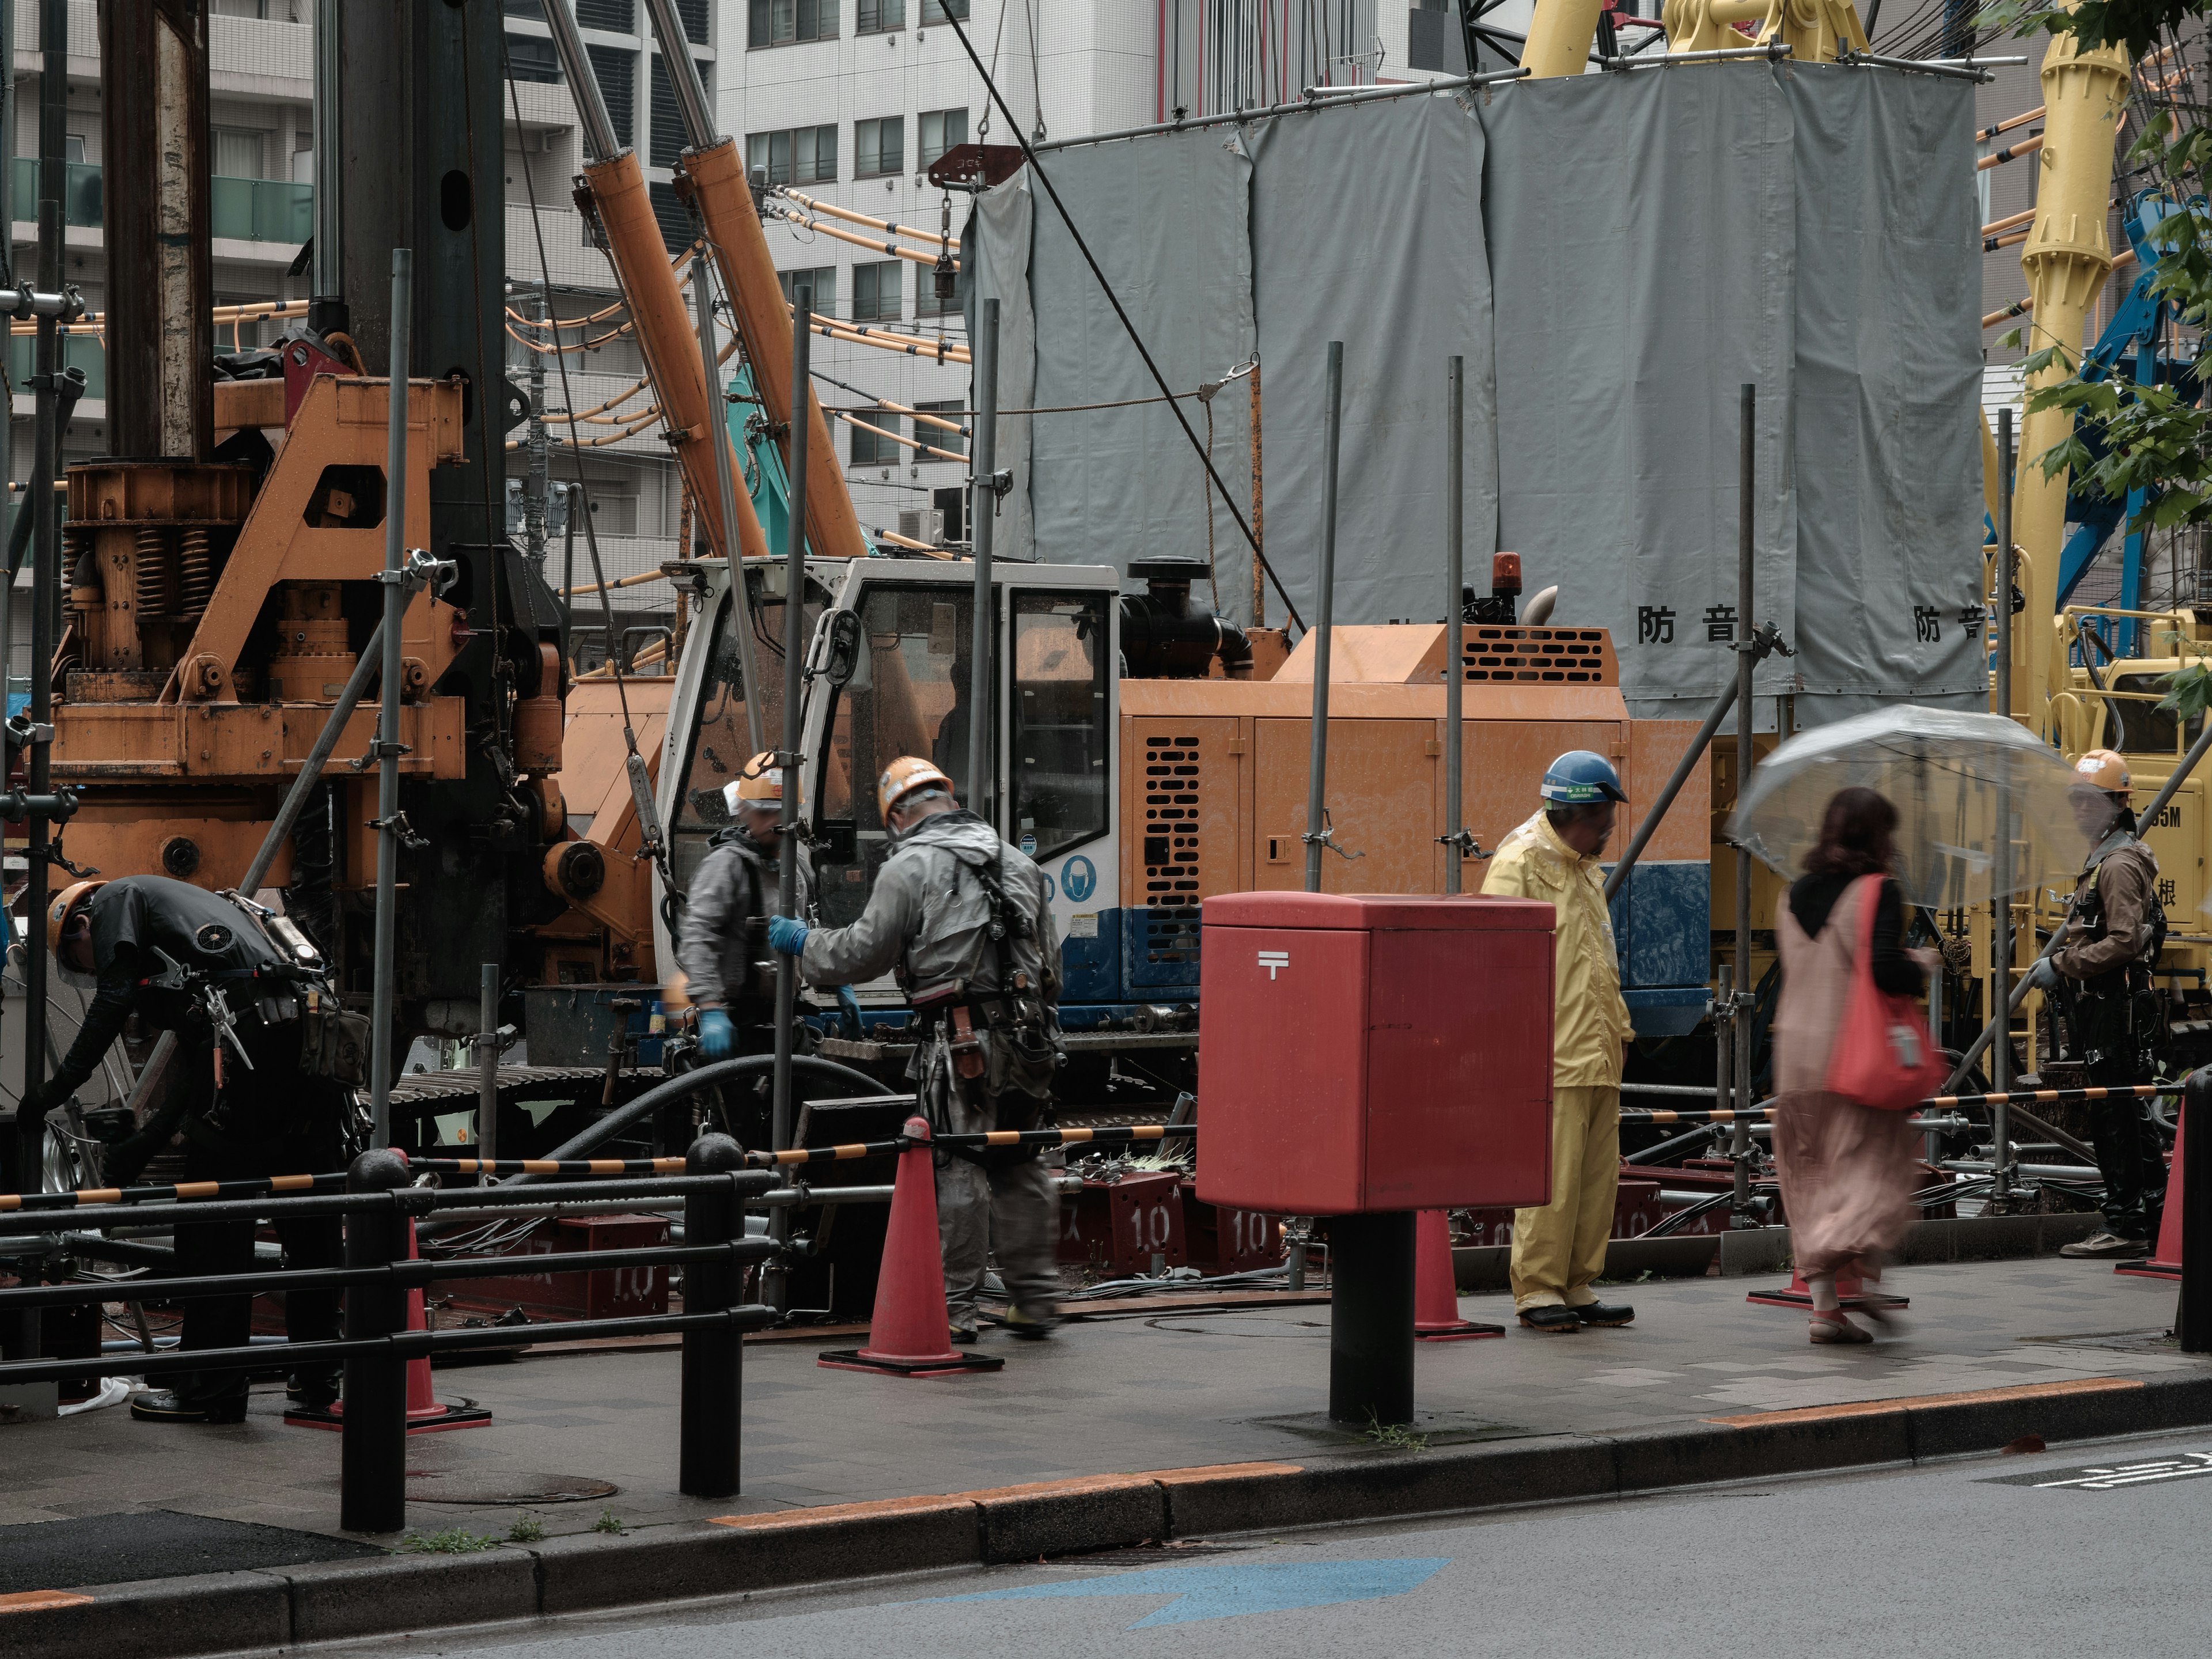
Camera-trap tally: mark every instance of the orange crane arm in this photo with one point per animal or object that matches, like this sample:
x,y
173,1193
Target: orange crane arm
x,y
640,258
715,175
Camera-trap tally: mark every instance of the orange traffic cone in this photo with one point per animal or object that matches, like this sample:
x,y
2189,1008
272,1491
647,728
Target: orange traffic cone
x,y
425,1414
909,1334
2165,1253
1436,1288
1850,1293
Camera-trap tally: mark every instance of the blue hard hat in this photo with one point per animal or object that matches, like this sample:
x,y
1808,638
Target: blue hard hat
x,y
1580,776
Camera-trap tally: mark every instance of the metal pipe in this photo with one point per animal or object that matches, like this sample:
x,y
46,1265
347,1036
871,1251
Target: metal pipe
x,y
488,1063
387,729
718,405
792,763
982,513
600,141
327,307
1744,999
2001,948
1774,52
1317,750
1454,613
1957,69
1258,539
683,72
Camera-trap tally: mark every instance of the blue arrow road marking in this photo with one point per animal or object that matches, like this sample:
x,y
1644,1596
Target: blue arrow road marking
x,y
1229,1591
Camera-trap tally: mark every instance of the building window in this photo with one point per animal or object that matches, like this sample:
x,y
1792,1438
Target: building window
x,y
676,230
878,294
779,22
875,448
823,280
879,147
926,302
936,11
532,57
523,7
693,13
877,15
800,156
239,152
241,9
616,17
615,71
941,128
936,436
669,138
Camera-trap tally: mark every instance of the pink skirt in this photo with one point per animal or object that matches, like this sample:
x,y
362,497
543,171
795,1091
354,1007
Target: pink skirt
x,y
1847,1175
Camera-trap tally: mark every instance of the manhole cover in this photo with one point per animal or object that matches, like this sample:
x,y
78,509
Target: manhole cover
x,y
471,1486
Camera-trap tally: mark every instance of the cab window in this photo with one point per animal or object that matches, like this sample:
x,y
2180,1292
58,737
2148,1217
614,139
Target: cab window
x,y
719,744
1061,705
908,695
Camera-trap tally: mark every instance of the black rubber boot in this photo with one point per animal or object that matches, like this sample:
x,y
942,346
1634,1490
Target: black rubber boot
x,y
166,1405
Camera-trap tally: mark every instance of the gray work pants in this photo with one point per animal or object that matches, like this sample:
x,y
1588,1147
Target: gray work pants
x,y
1010,1211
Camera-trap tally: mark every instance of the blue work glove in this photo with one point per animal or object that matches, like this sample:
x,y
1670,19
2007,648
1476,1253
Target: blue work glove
x,y
848,1011
718,1037
2042,976
785,935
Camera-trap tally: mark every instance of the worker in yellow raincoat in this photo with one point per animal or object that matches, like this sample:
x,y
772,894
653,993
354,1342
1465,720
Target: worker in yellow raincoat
x,y
1559,1248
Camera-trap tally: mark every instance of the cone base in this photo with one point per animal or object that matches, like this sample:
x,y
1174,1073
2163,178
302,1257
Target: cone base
x,y
945,1364
1466,1330
2170,1271
1794,1298
436,1421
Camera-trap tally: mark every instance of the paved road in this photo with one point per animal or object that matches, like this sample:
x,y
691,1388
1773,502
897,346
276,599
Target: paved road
x,y
1965,1558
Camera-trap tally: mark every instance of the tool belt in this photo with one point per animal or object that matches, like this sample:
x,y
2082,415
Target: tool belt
x,y
1002,1038
2118,1018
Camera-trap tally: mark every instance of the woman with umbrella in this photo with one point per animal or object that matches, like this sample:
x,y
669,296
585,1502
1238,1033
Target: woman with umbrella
x,y
1848,1171
1955,811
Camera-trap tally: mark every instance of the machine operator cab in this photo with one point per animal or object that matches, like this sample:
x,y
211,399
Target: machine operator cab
x,y
893,680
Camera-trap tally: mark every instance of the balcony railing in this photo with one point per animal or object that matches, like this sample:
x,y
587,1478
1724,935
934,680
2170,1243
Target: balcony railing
x,y
242,210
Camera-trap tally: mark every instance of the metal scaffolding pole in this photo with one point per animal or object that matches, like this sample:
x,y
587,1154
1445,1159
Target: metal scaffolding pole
x,y
380,1057
1744,1001
982,513
2001,946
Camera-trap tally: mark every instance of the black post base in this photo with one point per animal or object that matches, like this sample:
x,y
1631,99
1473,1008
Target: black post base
x,y
1370,1319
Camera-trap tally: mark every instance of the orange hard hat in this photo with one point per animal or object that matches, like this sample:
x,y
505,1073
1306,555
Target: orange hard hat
x,y
903,776
757,787
2102,768
65,905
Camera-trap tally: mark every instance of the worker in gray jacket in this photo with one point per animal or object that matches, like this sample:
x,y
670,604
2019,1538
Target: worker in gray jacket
x,y
962,918
722,946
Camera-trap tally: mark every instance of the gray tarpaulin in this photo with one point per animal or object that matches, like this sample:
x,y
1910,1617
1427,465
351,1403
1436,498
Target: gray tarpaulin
x,y
1653,240
1644,275
996,247
1404,290
1167,222
1889,428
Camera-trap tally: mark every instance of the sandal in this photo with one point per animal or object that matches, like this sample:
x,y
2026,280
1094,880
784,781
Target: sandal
x,y
1834,1327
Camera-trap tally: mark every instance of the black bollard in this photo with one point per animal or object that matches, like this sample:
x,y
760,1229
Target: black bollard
x,y
714,1358
1370,1317
2192,1318
372,1450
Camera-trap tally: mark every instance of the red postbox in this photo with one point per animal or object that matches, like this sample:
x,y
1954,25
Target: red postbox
x,y
1367,1052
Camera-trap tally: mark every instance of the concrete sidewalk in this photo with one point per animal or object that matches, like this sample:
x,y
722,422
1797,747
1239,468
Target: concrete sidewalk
x,y
1704,1386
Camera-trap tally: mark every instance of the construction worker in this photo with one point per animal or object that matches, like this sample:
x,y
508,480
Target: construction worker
x,y
961,917
2101,975
239,1092
729,972
1559,1248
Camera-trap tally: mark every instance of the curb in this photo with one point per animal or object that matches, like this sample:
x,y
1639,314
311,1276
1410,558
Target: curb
x,y
273,1607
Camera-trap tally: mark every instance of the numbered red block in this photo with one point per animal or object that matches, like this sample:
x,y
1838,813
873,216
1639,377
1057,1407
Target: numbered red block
x,y
612,1293
1230,1241
1373,1052
1117,1227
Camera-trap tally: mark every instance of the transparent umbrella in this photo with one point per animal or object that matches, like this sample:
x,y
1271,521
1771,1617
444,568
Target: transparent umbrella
x,y
1954,777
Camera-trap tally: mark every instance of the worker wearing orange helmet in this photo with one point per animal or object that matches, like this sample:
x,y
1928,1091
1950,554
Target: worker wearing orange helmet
x,y
961,917
248,1095
2101,977
722,936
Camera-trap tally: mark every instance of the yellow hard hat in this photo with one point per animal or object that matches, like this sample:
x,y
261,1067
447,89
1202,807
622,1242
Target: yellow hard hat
x,y
2101,768
757,787
903,776
65,903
